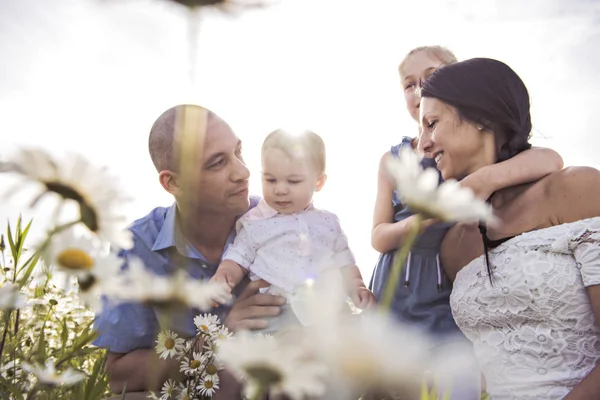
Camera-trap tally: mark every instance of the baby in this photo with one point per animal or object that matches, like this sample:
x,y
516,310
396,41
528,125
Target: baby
x,y
285,240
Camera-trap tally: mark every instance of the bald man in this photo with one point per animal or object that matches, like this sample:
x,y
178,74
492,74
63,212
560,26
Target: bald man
x,y
192,233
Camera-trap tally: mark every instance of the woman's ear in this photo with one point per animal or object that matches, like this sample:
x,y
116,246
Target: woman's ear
x,y
320,182
169,181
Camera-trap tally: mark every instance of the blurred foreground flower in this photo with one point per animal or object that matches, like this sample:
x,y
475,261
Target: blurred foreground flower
x,y
48,376
137,283
420,189
75,180
11,297
271,366
364,352
94,267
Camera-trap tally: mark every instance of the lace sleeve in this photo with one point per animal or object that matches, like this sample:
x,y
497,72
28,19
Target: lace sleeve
x,y
585,245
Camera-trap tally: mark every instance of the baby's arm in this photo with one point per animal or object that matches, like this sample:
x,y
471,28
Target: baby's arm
x,y
230,273
362,297
237,259
353,282
525,167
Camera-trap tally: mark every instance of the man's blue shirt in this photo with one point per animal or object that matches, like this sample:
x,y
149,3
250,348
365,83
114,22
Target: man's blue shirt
x,y
161,245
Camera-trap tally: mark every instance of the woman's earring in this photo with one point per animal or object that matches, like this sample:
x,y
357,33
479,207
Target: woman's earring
x,y
479,127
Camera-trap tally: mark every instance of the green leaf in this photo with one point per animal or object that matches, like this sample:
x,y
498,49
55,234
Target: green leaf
x,y
30,265
11,244
21,236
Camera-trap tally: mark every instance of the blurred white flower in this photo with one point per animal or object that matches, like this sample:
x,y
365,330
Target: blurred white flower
x,y
183,392
168,389
94,268
74,179
420,189
137,283
266,362
10,297
372,351
48,376
169,344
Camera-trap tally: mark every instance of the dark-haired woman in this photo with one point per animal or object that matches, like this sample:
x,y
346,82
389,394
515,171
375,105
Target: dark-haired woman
x,y
528,296
421,298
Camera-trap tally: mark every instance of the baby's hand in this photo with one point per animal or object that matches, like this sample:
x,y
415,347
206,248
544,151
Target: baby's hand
x,y
222,280
364,298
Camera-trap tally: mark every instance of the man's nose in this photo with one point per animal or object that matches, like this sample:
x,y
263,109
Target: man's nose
x,y
240,172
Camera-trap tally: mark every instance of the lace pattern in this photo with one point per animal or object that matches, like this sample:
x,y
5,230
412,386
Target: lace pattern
x,y
534,330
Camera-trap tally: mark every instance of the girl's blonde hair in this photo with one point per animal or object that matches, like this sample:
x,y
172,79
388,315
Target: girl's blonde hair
x,y
442,54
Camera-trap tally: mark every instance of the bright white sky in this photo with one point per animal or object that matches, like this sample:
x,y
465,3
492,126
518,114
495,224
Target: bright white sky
x,y
92,75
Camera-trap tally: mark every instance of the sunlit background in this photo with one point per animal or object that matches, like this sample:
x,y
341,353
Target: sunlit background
x,y
92,75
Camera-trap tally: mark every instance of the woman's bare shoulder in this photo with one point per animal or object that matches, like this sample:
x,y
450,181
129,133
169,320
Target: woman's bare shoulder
x,y
573,193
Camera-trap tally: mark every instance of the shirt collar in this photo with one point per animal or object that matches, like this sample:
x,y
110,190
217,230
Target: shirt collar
x,y
266,211
171,235
167,234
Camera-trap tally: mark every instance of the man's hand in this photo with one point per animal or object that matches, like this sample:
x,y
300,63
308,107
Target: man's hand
x,y
251,306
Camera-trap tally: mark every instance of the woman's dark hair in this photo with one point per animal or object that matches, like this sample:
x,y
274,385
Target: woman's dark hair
x,y
490,94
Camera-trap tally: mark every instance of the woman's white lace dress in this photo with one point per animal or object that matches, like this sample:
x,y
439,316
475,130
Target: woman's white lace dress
x,y
533,331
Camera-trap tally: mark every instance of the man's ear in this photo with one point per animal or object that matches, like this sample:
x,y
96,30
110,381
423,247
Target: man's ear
x,y
320,182
170,182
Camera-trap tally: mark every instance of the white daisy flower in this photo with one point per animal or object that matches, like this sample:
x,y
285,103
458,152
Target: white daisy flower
x,y
48,376
75,179
137,283
266,362
10,297
213,366
420,190
168,390
169,344
194,365
208,387
206,323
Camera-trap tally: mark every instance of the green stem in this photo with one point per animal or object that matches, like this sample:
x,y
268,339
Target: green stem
x,y
398,264
260,392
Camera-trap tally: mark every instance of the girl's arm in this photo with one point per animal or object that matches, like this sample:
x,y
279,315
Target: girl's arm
x,y
527,166
386,234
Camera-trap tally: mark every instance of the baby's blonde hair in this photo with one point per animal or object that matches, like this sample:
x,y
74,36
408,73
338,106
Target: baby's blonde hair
x,y
442,54
306,144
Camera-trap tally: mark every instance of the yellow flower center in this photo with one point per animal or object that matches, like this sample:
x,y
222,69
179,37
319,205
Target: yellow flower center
x,y
75,259
195,364
169,343
204,328
208,384
211,369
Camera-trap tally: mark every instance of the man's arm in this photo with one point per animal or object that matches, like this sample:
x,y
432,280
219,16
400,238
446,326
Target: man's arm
x,y
527,166
139,370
